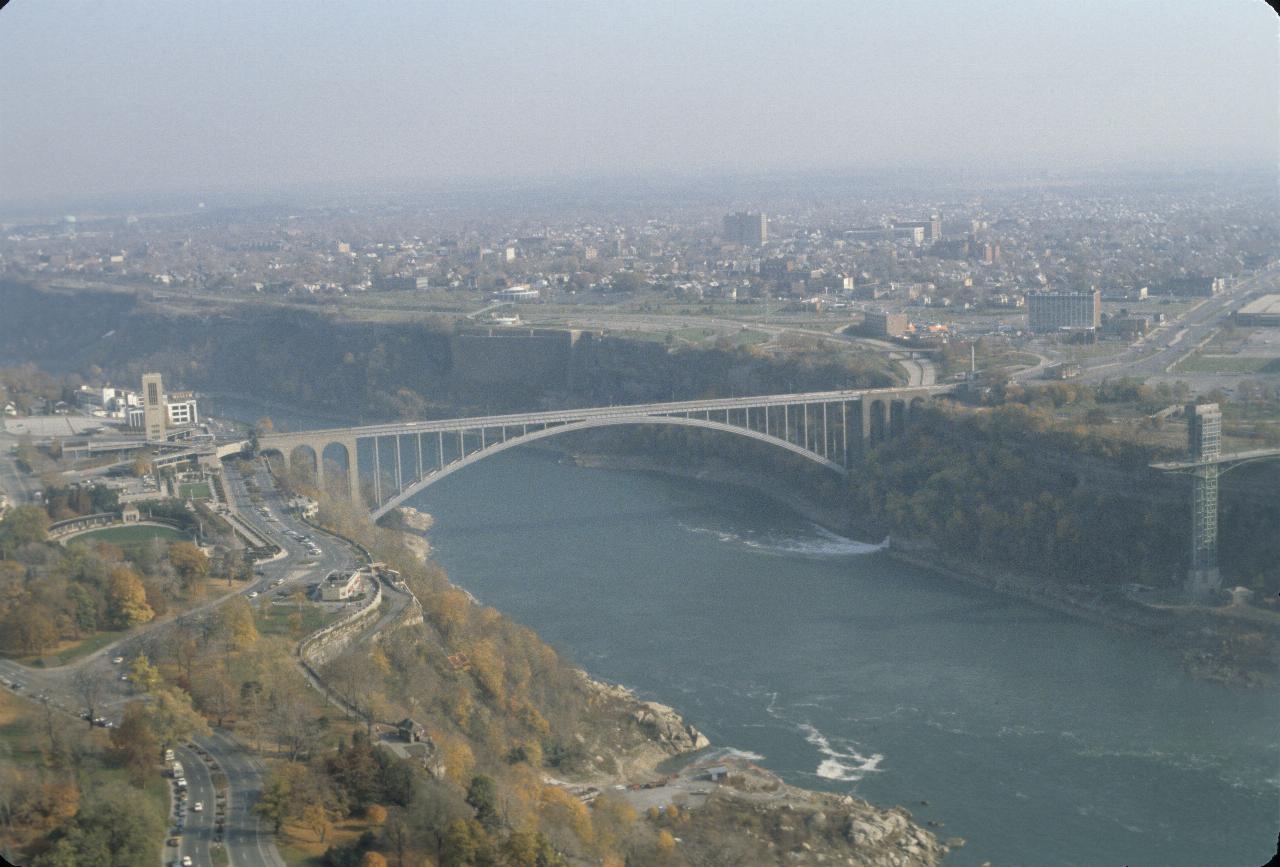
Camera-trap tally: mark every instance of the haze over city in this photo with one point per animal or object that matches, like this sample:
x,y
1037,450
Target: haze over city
x,y
140,98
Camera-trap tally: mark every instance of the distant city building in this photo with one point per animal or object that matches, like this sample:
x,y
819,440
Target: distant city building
x,y
777,269
867,233
749,229
181,409
1128,326
930,229
879,324
159,411
1195,287
1054,311
1263,312
153,409
521,292
1062,370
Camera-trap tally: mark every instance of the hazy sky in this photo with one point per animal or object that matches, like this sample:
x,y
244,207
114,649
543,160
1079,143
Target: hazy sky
x,y
136,96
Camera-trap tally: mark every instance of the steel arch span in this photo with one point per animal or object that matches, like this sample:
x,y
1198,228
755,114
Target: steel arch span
x,y
525,438
826,428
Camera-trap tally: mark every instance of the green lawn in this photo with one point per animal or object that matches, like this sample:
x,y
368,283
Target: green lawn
x,y
195,491
276,620
1198,363
84,648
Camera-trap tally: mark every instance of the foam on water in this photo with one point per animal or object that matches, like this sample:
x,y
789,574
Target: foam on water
x,y
819,543
847,764
721,753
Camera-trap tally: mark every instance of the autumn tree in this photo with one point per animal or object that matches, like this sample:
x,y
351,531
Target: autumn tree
x,y
213,692
135,742
144,676
235,626
127,598
173,719
21,526
190,562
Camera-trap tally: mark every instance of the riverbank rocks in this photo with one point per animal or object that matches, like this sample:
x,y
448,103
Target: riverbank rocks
x,y
409,518
417,545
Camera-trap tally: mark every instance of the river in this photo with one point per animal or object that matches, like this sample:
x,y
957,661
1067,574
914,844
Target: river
x,y
1042,739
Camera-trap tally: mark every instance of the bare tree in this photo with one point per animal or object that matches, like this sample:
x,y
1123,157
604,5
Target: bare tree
x,y
89,687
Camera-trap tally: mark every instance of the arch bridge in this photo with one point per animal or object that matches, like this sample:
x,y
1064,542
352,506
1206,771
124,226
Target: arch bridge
x,y
829,428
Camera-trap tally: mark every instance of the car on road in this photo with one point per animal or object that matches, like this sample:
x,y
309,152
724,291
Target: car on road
x,y
253,594
197,807
186,861
173,841
116,660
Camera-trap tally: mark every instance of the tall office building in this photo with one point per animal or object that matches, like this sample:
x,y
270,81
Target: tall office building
x,y
748,229
931,229
154,411
1054,311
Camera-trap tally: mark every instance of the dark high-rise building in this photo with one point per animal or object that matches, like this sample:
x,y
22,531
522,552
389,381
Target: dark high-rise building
x,y
749,229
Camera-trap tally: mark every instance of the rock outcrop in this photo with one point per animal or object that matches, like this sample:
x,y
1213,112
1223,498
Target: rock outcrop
x,y
410,519
669,728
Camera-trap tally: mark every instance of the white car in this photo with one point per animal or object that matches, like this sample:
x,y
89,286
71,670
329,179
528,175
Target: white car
x,y
253,594
197,807
116,660
186,861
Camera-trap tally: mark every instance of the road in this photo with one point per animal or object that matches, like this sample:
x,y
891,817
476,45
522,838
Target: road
x,y
920,371
198,827
247,842
1161,350
13,482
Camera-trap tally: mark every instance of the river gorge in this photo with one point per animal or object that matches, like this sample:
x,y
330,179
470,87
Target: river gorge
x,y
1039,738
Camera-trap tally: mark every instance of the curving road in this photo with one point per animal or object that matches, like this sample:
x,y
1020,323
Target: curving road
x,y
247,842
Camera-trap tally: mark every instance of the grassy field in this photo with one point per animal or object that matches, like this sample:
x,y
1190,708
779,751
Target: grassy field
x,y
127,537
1198,363
195,491
276,620
300,847
77,649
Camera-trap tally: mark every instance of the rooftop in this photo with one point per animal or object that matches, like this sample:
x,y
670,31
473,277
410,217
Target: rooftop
x,y
1267,305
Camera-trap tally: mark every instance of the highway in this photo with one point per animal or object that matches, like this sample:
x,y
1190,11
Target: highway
x,y
1162,349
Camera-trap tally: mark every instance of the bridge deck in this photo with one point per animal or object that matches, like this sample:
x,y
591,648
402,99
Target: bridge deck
x,y
622,411
1233,457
